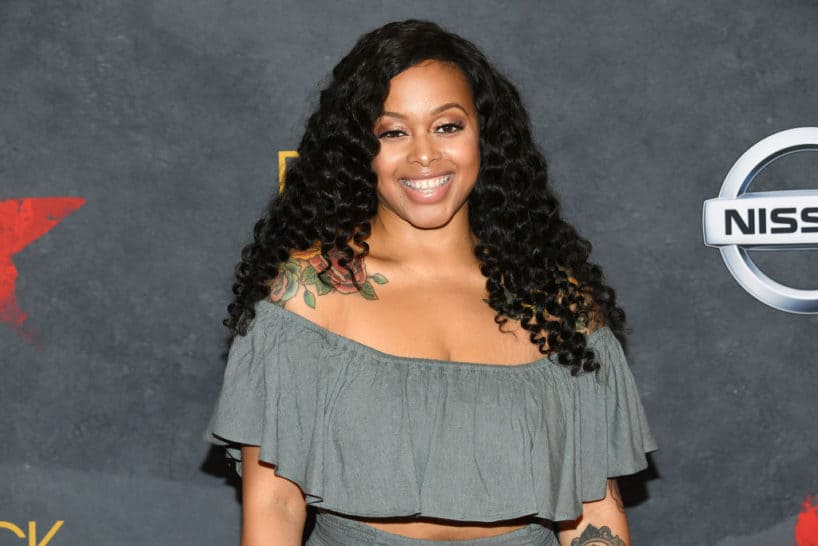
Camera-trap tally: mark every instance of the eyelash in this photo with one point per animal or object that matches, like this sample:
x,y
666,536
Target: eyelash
x,y
457,127
388,134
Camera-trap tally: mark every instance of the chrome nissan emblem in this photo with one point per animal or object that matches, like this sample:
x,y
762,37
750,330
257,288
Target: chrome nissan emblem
x,y
738,220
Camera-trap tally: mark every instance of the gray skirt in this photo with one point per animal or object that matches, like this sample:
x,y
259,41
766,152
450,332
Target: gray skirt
x,y
334,530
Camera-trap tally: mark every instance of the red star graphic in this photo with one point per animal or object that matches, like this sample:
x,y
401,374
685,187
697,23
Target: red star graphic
x,y
806,526
23,221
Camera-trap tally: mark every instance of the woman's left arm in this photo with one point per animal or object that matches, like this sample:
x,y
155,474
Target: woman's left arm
x,y
601,522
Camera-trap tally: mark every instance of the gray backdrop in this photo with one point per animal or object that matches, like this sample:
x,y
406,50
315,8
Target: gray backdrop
x,y
166,117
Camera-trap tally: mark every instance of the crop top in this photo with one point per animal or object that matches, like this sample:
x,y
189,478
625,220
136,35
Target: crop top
x,y
371,434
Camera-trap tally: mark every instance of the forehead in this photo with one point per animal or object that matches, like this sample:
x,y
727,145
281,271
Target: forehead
x,y
426,85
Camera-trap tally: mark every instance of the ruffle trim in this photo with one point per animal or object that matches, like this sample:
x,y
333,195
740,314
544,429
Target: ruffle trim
x,y
374,435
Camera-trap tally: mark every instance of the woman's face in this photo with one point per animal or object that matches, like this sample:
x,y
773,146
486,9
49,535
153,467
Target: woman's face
x,y
430,154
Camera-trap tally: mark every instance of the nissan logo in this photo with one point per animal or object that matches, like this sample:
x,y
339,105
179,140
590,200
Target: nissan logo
x,y
738,220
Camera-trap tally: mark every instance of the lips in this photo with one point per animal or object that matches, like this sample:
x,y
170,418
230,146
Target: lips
x,y
427,183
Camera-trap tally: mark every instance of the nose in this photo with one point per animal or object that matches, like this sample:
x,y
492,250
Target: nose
x,y
423,150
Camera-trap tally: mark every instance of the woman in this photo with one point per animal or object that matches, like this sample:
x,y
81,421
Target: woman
x,y
422,351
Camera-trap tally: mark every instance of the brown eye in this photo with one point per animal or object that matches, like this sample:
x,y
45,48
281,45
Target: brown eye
x,y
390,134
450,128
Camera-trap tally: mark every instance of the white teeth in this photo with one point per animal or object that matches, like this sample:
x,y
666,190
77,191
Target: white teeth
x,y
427,184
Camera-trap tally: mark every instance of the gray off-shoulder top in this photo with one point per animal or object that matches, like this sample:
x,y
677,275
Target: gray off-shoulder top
x,y
367,433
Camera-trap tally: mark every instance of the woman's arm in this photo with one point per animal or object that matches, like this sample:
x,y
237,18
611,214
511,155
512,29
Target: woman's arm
x,y
273,508
601,522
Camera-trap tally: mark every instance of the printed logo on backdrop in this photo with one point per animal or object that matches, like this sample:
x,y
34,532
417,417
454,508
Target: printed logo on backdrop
x,y
806,526
23,221
283,156
737,220
33,539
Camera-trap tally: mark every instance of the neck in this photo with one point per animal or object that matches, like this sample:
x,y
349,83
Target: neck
x,y
396,241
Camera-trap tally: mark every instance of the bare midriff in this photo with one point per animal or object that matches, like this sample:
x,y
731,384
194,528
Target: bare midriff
x,y
436,529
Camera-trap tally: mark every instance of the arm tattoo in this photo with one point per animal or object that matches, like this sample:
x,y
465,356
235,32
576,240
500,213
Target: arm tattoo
x,y
592,536
303,268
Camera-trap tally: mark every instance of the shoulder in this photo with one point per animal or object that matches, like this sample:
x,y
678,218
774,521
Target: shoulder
x,y
311,284
293,276
297,286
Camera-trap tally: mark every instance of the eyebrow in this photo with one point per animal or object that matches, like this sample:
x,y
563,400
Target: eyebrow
x,y
435,111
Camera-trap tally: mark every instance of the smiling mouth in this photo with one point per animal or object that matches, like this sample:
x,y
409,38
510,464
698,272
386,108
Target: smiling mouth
x,y
427,183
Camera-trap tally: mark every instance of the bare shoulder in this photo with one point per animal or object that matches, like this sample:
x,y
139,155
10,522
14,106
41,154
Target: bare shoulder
x,y
308,283
297,285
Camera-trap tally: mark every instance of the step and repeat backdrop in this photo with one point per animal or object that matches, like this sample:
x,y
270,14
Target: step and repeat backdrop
x,y
140,140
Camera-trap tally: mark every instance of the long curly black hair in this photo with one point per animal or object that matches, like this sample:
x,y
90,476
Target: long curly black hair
x,y
535,263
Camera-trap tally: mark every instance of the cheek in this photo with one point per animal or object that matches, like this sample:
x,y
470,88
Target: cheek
x,y
383,165
468,152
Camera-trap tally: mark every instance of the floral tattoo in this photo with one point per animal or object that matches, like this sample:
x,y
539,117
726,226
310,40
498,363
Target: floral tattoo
x,y
303,268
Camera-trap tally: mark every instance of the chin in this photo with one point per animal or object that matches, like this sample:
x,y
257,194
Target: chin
x,y
429,221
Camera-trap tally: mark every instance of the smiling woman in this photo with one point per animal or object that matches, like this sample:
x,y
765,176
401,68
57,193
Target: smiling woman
x,y
429,156
422,351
